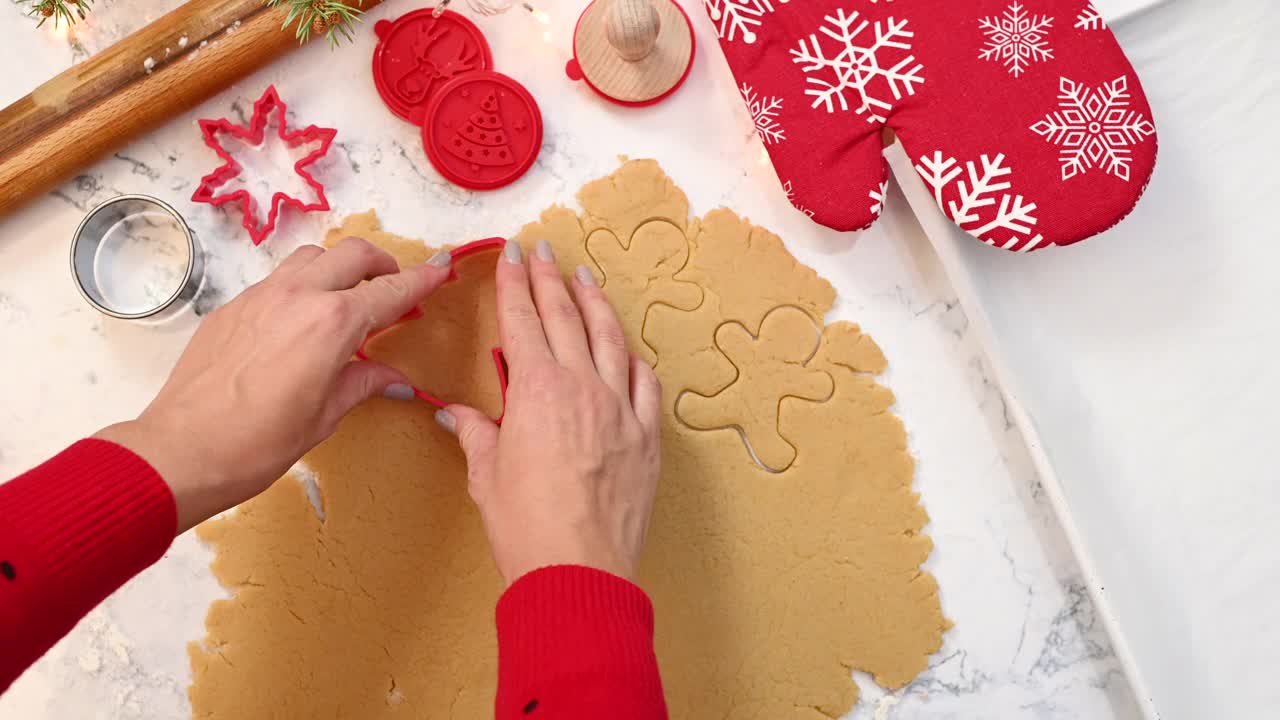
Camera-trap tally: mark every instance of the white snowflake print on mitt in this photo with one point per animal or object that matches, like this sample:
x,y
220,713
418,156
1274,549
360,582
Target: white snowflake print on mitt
x,y
858,66
1090,19
1016,38
786,188
877,197
736,19
1095,128
967,200
764,115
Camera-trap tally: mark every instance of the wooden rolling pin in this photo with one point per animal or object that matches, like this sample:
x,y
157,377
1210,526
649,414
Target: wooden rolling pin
x,y
149,77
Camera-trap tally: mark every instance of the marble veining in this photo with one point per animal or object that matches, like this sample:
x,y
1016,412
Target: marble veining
x,y
1025,644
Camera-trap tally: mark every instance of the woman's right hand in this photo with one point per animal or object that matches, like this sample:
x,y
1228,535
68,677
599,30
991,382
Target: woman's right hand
x,y
570,476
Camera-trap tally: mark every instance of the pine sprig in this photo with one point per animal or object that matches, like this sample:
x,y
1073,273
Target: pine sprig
x,y
334,18
59,10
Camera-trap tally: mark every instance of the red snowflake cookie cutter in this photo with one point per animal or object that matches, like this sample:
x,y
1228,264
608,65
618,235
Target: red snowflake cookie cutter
x,y
255,134
499,361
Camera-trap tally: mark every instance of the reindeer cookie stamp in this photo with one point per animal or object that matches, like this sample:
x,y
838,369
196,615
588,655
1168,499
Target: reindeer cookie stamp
x,y
418,54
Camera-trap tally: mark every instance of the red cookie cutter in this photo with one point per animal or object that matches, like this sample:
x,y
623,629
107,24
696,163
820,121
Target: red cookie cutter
x,y
499,361
255,134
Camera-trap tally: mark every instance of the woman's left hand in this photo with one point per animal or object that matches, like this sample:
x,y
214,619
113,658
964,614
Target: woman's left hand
x,y
268,376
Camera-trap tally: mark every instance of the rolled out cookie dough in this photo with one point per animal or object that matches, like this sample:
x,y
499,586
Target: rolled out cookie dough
x,y
768,586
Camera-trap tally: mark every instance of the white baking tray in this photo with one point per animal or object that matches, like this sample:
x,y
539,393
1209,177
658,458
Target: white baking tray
x,y
956,250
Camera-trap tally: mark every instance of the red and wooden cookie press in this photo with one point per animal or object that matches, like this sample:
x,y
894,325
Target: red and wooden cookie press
x,y
632,52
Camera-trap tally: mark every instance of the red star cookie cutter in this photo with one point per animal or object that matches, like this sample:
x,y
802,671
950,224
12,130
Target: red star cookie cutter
x,y
255,134
499,361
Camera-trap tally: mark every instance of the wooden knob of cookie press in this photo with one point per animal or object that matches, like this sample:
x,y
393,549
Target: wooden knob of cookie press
x,y
632,27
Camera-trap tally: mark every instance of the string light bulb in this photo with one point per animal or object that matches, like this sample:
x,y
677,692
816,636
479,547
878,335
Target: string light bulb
x,y
489,8
537,13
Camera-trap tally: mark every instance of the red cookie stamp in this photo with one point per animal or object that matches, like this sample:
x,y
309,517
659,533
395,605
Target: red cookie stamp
x,y
418,54
483,130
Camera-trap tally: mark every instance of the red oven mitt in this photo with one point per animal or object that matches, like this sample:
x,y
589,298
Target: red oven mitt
x,y
1024,119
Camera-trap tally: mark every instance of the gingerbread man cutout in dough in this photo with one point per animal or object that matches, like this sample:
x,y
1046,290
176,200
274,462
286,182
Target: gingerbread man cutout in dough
x,y
644,275
771,368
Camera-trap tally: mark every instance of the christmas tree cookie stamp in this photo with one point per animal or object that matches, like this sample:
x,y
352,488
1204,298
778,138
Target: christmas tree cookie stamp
x,y
483,130
772,367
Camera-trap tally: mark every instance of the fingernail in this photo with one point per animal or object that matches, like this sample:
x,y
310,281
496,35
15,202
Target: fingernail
x,y
446,420
398,391
585,276
513,253
441,259
545,253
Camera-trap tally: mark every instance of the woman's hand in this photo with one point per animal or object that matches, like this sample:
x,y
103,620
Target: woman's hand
x,y
570,476
268,376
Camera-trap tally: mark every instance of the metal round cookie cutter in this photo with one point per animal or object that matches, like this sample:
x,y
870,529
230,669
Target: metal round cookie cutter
x,y
143,236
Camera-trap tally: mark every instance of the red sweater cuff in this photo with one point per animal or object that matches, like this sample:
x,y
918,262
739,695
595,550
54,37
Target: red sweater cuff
x,y
72,531
567,631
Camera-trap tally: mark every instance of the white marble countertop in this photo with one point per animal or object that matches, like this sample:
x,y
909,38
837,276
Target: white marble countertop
x,y
1026,642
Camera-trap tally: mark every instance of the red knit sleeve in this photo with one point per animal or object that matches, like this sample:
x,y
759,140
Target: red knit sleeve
x,y
72,531
576,644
